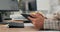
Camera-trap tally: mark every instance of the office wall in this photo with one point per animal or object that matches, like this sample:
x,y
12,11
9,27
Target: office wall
x,y
43,4
48,5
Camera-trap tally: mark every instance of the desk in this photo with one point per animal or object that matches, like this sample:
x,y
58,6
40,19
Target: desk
x,y
4,28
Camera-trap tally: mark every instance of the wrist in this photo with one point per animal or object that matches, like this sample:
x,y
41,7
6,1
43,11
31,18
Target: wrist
x,y
39,25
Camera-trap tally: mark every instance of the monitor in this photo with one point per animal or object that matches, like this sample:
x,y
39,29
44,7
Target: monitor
x,y
9,5
32,6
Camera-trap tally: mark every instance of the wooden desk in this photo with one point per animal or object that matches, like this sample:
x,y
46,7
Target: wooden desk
x,y
4,28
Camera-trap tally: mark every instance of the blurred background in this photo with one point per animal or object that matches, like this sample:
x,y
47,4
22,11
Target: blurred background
x,y
27,6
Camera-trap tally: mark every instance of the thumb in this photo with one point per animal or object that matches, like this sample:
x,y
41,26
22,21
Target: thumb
x,y
31,18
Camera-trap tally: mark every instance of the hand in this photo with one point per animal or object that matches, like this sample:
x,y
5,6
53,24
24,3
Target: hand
x,y
37,20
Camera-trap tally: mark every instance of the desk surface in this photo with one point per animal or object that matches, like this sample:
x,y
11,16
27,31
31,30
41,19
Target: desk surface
x,y
4,28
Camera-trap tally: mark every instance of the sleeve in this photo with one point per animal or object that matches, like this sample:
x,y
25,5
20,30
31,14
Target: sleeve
x,y
51,24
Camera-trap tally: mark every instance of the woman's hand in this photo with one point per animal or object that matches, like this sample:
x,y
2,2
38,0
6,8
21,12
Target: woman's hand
x,y
37,20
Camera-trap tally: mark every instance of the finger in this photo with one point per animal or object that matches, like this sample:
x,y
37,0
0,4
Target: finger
x,y
33,15
32,19
39,14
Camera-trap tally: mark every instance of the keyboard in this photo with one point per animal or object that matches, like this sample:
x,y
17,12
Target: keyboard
x,y
14,24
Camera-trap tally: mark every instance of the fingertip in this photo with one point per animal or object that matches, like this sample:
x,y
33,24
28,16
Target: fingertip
x,y
28,17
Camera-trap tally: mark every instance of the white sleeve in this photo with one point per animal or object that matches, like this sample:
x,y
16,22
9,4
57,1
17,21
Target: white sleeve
x,y
51,24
